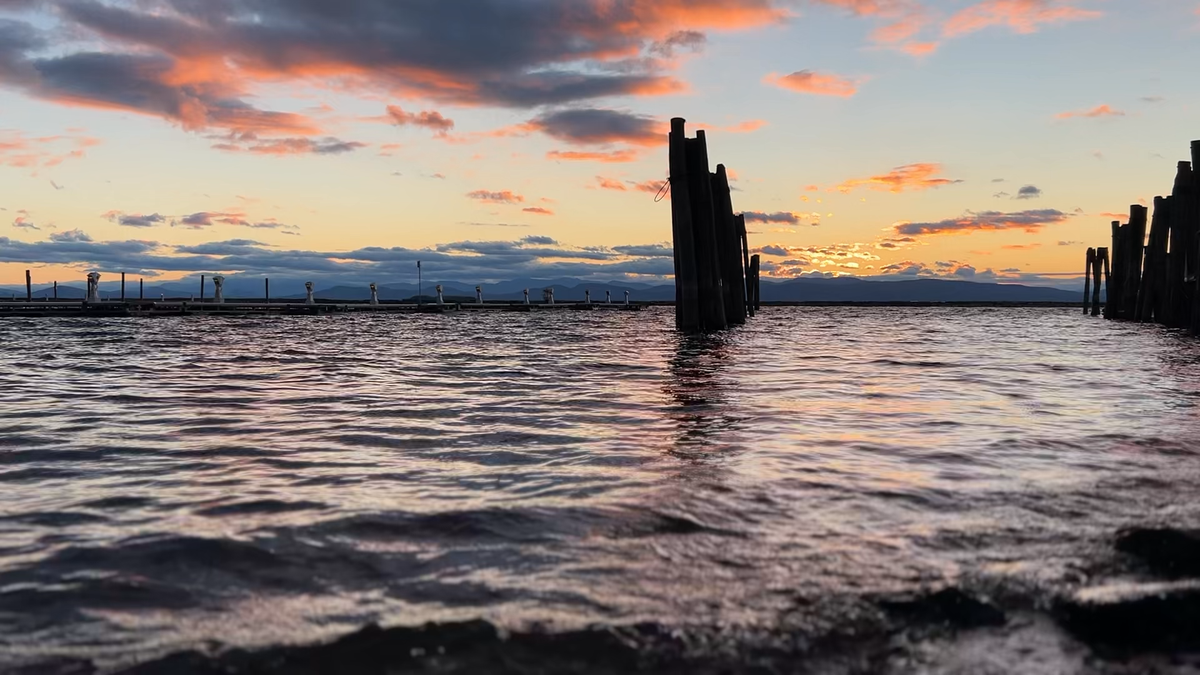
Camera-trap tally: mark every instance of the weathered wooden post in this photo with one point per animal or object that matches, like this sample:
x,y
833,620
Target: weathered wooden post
x,y
755,265
122,287
626,298
1181,201
219,289
548,296
55,290
745,242
728,245
93,287
608,297
308,290
141,288
1112,299
1101,264
201,288
440,299
28,286
587,296
1134,245
1087,280
687,289
526,296
374,294
479,295
1193,269
1156,250
708,266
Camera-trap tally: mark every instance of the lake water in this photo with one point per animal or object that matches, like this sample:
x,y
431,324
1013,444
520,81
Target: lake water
x,y
165,483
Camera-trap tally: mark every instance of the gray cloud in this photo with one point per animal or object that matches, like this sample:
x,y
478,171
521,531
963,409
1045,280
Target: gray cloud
x,y
778,217
482,261
598,127
1029,221
1029,192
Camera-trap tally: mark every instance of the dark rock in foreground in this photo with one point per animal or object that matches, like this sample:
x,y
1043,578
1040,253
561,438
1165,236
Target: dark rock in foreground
x,y
1167,552
1135,617
948,607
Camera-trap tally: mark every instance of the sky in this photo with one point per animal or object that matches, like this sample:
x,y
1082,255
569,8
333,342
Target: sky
x,y
496,139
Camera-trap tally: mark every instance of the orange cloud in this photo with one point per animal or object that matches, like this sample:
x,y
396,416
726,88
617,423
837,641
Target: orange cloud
x,y
908,178
812,82
1098,111
1022,16
537,210
500,197
613,157
20,151
1020,247
610,184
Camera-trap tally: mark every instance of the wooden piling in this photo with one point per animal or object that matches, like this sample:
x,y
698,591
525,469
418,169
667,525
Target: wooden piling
x,y
1133,251
741,225
122,287
267,290
687,293
732,271
1177,307
1193,219
1088,270
28,286
1150,289
56,290
755,263
201,288
1112,292
141,289
1101,265
712,305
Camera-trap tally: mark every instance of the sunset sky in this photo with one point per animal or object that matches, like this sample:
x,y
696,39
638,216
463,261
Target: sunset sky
x,y
495,139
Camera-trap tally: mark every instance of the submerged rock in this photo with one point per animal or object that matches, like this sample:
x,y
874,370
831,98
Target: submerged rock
x,y
1167,552
948,607
1134,617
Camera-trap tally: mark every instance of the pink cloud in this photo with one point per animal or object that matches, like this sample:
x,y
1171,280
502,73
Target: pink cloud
x,y
812,82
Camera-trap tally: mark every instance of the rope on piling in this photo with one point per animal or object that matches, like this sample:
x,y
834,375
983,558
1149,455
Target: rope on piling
x,y
662,191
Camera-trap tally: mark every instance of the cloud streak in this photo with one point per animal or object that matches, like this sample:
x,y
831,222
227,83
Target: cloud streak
x,y
813,82
987,221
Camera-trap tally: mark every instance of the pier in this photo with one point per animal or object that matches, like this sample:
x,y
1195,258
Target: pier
x,y
1156,280
716,279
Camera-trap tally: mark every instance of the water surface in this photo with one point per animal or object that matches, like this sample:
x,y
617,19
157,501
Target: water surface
x,y
169,482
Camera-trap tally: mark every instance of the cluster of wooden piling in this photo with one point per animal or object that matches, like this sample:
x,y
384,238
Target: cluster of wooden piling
x,y
716,279
1154,280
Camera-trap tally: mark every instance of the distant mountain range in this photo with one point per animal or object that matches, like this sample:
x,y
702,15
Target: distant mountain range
x,y
806,289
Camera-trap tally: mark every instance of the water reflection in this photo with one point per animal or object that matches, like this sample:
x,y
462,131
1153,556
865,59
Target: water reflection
x,y
698,387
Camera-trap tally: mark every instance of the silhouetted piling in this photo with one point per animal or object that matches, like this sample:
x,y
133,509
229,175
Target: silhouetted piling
x,y
56,290
28,286
711,282
730,244
1102,265
687,293
1150,289
741,226
1088,270
122,287
141,289
201,288
1133,245
266,290
755,262
1178,307
712,306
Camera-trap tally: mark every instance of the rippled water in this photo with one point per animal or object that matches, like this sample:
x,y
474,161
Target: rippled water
x,y
172,481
